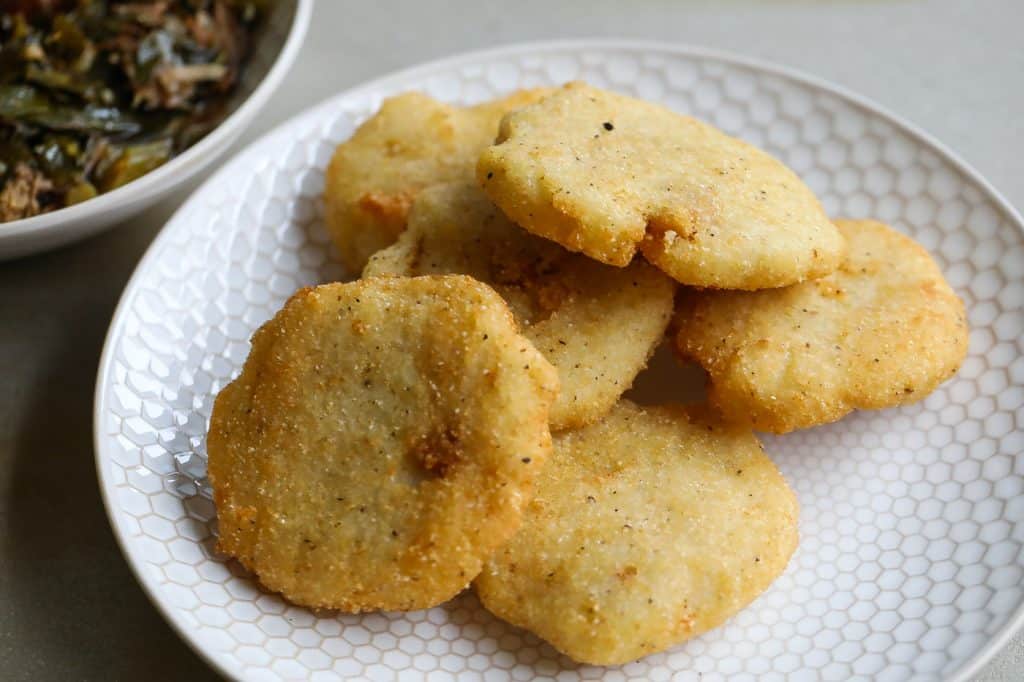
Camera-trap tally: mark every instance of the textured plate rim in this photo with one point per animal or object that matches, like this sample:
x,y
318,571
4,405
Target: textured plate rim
x,y
964,673
193,159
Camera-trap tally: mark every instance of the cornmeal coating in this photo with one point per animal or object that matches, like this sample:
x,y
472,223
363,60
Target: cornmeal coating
x,y
606,175
597,324
413,142
380,443
648,528
883,330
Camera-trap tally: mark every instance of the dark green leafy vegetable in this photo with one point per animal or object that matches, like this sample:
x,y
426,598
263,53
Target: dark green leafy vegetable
x,y
134,161
97,93
17,101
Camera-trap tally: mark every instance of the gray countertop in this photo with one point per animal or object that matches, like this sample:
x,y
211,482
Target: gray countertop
x,y
69,607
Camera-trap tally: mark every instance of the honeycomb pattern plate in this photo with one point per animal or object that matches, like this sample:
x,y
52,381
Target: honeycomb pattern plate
x,y
911,563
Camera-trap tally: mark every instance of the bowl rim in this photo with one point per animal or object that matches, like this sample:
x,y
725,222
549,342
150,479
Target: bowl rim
x,y
189,161
967,670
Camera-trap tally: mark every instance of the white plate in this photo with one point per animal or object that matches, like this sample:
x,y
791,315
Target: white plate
x,y
276,47
910,565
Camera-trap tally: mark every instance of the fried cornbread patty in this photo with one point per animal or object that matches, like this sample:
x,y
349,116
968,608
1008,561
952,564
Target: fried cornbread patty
x,y
413,142
883,330
380,443
606,175
648,527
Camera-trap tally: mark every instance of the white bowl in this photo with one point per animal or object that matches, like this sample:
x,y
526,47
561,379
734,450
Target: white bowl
x,y
275,50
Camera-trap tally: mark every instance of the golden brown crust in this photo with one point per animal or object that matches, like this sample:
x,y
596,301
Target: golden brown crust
x,y
413,142
380,442
883,330
647,528
597,325
606,175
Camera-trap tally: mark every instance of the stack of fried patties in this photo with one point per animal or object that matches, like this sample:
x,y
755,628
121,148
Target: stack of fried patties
x,y
455,416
